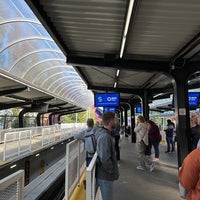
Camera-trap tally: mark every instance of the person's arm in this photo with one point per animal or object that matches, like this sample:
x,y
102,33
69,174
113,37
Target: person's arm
x,y
137,128
141,130
189,173
80,136
104,153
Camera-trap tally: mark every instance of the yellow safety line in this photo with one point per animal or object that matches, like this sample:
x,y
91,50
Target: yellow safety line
x,y
79,192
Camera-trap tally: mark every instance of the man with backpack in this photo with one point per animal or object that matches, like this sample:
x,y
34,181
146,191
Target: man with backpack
x,y
87,136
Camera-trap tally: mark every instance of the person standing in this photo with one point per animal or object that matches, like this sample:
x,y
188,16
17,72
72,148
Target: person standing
x,y
195,132
189,176
106,167
154,138
82,136
142,142
169,131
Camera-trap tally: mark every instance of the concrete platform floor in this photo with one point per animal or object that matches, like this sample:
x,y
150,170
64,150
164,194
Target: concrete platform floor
x,y
133,184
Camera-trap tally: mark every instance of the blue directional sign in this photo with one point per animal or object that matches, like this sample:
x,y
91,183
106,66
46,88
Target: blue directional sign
x,y
138,109
109,109
193,99
106,100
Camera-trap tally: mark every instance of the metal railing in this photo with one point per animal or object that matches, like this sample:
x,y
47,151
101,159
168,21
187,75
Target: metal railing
x,y
24,141
92,192
16,144
75,165
36,131
12,187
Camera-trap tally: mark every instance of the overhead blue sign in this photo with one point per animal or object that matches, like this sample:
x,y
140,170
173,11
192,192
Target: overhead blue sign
x,y
193,99
138,109
106,100
109,109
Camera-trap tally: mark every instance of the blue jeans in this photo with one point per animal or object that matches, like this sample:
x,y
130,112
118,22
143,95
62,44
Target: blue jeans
x,y
170,141
156,148
106,188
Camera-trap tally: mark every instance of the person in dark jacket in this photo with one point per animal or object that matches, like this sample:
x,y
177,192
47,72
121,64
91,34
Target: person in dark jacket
x,y
154,138
106,168
195,132
169,131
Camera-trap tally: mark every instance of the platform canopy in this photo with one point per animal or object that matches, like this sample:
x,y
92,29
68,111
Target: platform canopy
x,y
33,69
125,46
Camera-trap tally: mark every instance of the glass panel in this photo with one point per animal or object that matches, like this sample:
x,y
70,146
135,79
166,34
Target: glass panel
x,y
70,94
51,82
35,72
9,6
33,60
25,8
27,51
15,32
26,48
49,72
69,90
59,89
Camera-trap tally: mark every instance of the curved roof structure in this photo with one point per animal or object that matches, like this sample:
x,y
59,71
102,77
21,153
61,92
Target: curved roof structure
x,y
30,55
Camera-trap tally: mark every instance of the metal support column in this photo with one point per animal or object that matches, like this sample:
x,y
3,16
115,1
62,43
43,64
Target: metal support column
x,y
121,116
50,119
181,113
21,117
133,134
145,104
38,119
125,116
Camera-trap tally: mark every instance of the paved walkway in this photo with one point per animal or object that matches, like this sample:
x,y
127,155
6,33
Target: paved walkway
x,y
133,184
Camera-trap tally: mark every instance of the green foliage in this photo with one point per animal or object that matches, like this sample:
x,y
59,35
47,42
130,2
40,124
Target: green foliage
x,y
80,117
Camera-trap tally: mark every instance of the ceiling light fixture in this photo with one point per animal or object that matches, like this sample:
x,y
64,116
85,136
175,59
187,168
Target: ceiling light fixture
x,y
115,85
128,17
13,166
117,74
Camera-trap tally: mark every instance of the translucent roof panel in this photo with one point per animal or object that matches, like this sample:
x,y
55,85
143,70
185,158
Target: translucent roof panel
x,y
29,53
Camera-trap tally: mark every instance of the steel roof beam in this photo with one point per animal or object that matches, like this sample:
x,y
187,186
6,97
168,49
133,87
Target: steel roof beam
x,y
4,106
131,65
68,112
187,48
12,91
111,89
57,105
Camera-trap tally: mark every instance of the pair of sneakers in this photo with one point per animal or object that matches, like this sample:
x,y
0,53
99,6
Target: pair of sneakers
x,y
141,168
156,160
151,167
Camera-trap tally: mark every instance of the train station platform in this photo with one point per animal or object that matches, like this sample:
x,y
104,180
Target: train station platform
x,y
162,183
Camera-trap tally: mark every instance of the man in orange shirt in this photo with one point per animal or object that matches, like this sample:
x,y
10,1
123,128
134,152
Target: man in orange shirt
x,y
189,175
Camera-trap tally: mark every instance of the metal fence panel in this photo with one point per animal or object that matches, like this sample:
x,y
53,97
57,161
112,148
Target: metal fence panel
x,y
74,166
24,142
12,187
45,136
91,192
11,145
19,141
